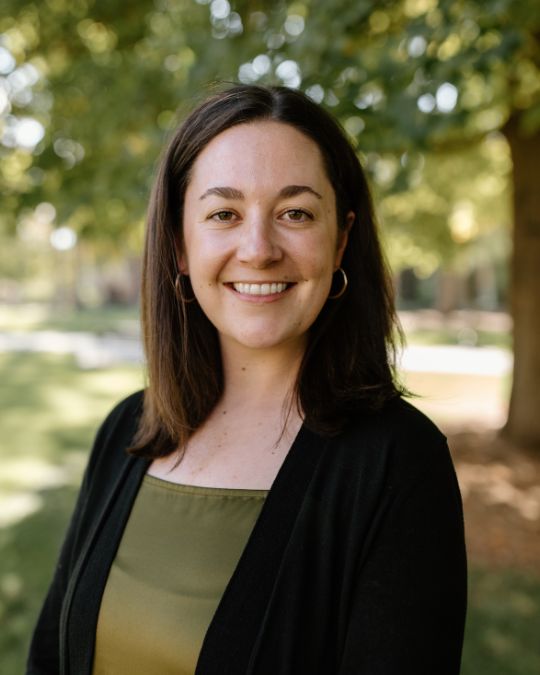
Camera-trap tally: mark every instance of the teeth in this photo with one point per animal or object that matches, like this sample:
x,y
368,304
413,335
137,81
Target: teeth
x,y
259,289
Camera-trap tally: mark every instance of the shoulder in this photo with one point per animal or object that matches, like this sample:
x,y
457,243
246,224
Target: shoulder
x,y
398,439
116,433
397,422
401,421
125,413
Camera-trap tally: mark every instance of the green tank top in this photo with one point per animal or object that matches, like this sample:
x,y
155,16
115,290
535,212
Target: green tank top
x,y
178,551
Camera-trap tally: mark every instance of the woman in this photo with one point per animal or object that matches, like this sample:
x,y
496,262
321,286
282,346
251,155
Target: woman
x,y
270,504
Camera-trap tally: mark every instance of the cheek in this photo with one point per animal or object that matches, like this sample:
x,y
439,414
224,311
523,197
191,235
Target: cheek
x,y
208,258
322,262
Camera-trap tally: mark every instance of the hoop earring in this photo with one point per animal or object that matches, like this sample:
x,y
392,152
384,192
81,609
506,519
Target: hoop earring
x,y
344,288
179,289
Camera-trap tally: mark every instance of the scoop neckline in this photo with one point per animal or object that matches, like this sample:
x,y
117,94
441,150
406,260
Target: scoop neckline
x,y
203,489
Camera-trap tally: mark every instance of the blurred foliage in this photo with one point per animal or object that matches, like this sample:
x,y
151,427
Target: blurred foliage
x,y
455,210
423,87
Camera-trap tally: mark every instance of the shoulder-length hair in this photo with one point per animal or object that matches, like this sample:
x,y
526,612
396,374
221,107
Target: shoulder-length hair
x,y
348,365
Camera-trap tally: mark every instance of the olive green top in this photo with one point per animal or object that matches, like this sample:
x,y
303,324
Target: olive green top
x,y
178,551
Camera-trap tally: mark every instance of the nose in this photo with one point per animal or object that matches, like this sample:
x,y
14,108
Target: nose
x,y
258,246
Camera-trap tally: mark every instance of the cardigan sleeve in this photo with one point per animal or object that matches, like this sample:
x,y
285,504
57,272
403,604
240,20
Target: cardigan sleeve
x,y
409,601
44,653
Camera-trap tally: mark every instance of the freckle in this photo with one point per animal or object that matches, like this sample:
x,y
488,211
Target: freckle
x,y
243,367
224,412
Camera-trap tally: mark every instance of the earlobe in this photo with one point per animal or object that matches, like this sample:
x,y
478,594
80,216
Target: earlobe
x,y
343,237
181,260
182,265
349,221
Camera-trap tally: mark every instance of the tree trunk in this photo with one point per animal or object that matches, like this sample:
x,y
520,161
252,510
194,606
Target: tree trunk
x,y
523,425
449,291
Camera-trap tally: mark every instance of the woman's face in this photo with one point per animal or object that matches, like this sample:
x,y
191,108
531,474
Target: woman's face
x,y
260,237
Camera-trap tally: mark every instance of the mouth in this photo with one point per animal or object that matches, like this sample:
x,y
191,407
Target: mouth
x,y
267,288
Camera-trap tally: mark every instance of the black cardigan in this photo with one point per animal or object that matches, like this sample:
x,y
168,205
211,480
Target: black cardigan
x,y
355,566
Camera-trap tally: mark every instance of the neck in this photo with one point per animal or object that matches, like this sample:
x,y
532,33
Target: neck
x,y
258,377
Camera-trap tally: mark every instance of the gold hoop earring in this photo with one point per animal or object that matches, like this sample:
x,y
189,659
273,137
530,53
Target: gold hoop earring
x,y
345,284
179,289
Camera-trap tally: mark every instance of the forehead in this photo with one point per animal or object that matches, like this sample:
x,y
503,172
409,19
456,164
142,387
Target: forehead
x,y
262,152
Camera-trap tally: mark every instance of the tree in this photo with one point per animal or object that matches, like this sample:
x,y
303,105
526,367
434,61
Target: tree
x,y
408,79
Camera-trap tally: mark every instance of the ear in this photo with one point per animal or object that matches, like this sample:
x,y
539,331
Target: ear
x,y
182,265
343,237
181,259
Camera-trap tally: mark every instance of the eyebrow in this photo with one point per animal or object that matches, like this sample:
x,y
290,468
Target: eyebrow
x,y
233,193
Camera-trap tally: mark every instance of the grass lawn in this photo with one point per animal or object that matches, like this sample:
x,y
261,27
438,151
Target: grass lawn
x,y
105,319
50,411
503,624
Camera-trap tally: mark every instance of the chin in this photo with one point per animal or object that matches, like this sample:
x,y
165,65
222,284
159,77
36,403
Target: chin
x,y
265,341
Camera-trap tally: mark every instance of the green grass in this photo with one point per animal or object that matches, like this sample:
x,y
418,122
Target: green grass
x,y
503,624
99,320
50,411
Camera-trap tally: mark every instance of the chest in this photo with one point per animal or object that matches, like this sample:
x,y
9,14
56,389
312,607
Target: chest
x,y
179,549
242,453
285,584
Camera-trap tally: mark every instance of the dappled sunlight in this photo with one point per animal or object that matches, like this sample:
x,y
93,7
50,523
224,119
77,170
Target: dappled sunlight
x,y
21,480
460,400
99,383
71,406
23,316
11,585
17,506
36,474
500,486
457,359
56,397
33,524
495,484
51,410
88,349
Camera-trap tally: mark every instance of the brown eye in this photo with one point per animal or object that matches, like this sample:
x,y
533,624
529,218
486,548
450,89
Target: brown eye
x,y
297,215
223,216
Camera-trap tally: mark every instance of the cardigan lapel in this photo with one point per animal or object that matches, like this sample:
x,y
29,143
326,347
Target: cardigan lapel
x,y
83,598
230,642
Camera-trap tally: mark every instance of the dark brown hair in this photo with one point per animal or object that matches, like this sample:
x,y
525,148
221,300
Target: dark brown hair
x,y
348,364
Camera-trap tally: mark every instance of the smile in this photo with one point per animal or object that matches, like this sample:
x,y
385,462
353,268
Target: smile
x,y
260,289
